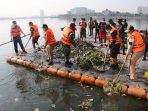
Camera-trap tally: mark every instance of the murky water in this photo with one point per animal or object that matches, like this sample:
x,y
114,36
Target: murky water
x,y
22,89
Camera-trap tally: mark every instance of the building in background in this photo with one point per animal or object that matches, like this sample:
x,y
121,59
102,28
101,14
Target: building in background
x,y
106,12
80,11
142,10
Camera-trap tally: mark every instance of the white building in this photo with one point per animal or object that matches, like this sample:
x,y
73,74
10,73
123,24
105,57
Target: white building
x,y
106,12
80,11
142,10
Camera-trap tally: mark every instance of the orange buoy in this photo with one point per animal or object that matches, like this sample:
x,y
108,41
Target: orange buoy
x,y
75,76
14,60
100,83
88,79
51,70
140,93
92,80
62,73
8,59
27,63
34,65
20,61
124,89
44,68
84,78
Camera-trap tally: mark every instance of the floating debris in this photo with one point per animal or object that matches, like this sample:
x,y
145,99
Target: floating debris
x,y
146,75
86,55
16,99
53,105
36,109
20,84
113,88
86,104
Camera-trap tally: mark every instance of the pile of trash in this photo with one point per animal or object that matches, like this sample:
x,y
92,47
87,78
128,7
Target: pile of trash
x,y
86,55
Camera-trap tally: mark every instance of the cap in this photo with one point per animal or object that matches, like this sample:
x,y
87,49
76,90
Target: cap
x,y
110,20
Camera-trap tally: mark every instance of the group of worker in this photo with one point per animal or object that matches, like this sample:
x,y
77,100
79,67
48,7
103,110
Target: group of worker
x,y
116,38
137,46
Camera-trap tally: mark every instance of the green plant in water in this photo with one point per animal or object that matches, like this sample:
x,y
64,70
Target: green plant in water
x,y
113,88
86,104
85,63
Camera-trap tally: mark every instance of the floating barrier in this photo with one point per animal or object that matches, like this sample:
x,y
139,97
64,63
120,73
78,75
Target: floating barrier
x,y
52,71
100,83
140,93
63,73
75,76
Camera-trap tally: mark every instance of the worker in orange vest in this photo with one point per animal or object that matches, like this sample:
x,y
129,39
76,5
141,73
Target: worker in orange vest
x,y
114,45
136,47
50,42
83,26
91,26
34,34
67,40
16,37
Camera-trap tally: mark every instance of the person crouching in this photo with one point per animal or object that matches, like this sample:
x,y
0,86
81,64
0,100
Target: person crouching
x,y
114,46
67,40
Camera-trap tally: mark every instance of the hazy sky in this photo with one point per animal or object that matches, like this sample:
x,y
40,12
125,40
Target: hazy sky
x,y
53,7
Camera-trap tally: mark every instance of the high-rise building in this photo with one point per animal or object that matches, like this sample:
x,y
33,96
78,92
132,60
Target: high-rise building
x,y
142,10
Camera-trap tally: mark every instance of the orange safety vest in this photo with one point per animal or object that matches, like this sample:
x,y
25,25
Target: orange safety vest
x,y
49,36
117,37
82,25
139,44
16,31
35,31
66,36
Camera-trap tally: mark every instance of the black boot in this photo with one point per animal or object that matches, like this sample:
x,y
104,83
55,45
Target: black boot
x,y
112,65
50,63
24,52
144,59
115,67
68,63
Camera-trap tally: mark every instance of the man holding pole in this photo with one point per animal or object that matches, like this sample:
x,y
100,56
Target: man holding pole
x,y
136,47
34,34
16,37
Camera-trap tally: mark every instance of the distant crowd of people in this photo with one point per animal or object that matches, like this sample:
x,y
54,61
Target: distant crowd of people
x,y
117,36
